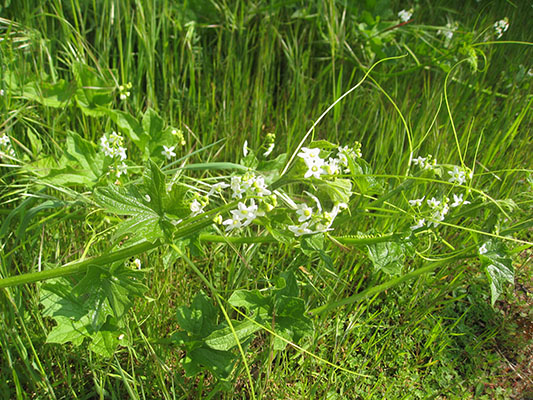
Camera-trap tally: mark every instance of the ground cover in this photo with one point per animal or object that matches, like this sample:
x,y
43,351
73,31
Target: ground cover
x,y
265,200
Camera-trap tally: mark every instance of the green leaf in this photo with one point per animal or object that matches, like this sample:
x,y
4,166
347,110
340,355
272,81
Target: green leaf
x,y
95,92
224,339
104,342
339,190
200,318
130,126
54,95
154,182
498,267
220,363
121,202
387,256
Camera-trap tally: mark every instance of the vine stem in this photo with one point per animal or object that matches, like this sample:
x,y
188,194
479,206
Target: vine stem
x,y
131,251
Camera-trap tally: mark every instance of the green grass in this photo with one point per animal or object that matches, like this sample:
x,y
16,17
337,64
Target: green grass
x,y
235,71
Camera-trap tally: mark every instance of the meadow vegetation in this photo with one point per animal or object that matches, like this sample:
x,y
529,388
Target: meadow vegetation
x,y
266,199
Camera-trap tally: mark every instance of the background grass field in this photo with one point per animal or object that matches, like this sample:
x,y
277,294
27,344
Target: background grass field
x,y
227,72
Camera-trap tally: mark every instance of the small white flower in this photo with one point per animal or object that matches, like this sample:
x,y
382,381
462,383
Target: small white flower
x,y
314,170
168,152
304,212
269,150
458,175
121,152
217,188
483,249
420,161
232,223
4,140
433,203
501,26
236,187
147,198
121,169
137,263
405,15
196,207
331,167
245,148
416,202
300,230
259,187
245,214
458,200
419,223
2,92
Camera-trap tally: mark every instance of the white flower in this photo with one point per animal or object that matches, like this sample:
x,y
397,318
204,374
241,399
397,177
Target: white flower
x,y
121,169
147,198
331,167
269,150
4,140
300,230
458,200
232,223
245,148
217,188
405,15
483,249
416,202
419,223
121,152
259,187
244,213
236,187
419,161
433,202
458,175
2,92
314,170
309,154
501,26
304,212
196,207
137,263
168,152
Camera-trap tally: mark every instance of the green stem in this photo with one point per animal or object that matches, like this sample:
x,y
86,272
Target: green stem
x,y
81,265
384,286
78,266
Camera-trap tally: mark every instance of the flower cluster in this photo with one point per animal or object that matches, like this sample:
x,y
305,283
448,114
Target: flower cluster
x,y
113,146
438,209
500,27
5,146
459,175
312,221
448,31
125,91
317,166
427,162
405,15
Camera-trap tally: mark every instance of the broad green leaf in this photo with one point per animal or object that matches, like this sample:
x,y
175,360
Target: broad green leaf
x,y
154,182
249,299
387,257
95,93
68,330
121,202
224,339
498,267
130,126
339,190
220,363
104,342
200,318
55,95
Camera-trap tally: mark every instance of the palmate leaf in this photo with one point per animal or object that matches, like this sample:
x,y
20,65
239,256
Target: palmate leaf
x,y
280,308
199,321
81,165
498,267
92,309
389,257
